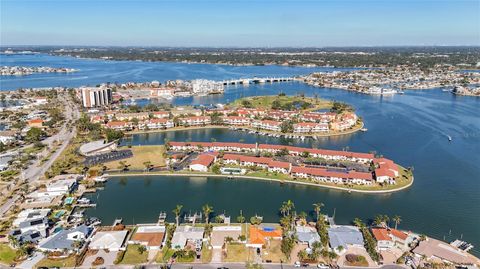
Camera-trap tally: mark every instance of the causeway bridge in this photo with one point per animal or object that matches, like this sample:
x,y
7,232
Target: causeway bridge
x,y
246,81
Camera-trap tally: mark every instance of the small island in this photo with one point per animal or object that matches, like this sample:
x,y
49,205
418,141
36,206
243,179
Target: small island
x,y
29,70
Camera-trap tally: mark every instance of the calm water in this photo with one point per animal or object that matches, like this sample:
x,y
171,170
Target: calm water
x,y
412,129
94,71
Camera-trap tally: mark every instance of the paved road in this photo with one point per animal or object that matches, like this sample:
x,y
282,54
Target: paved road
x,y
30,263
240,266
37,169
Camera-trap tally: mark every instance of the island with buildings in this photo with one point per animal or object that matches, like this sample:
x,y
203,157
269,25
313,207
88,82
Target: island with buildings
x,y
29,70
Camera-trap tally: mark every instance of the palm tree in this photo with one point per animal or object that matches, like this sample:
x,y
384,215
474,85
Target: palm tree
x,y
317,207
397,220
289,205
358,222
177,211
206,211
378,220
241,218
147,165
283,210
386,220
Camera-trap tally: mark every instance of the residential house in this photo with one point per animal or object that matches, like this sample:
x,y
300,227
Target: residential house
x,y
152,237
109,240
342,237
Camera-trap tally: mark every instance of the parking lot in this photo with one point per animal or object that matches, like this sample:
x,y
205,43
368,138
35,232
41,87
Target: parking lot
x,y
108,157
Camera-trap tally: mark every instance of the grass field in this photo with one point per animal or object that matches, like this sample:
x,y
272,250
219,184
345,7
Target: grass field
x,y
164,255
133,256
237,253
67,262
206,254
274,252
7,254
141,154
265,102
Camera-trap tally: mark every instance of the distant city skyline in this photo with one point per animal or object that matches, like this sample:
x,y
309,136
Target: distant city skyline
x,y
262,23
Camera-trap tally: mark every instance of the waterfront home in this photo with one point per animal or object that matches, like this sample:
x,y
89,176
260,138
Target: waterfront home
x,y
152,237
40,100
342,237
156,123
97,147
186,233
332,176
63,184
109,240
66,240
307,235
323,117
267,125
439,252
195,121
386,164
221,233
388,238
236,120
337,155
119,125
259,236
130,116
244,160
202,162
310,127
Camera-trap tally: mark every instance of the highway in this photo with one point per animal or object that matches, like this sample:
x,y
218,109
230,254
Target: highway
x,y
36,170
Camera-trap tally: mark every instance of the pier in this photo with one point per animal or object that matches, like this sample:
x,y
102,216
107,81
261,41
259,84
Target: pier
x,y
247,81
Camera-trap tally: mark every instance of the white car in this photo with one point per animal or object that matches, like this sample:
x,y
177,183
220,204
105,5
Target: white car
x,y
297,264
322,266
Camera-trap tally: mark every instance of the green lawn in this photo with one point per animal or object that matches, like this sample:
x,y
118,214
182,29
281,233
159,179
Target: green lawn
x,y
67,262
206,254
265,102
7,254
237,253
133,256
141,154
164,255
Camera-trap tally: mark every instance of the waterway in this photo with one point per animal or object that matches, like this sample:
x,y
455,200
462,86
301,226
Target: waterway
x,y
411,129
95,71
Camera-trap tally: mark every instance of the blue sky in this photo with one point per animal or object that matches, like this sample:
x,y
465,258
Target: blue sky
x,y
240,23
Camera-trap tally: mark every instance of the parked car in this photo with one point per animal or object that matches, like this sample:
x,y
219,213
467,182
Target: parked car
x,y
322,266
297,264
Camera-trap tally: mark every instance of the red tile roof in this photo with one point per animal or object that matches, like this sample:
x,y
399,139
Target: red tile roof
x,y
204,159
381,234
330,173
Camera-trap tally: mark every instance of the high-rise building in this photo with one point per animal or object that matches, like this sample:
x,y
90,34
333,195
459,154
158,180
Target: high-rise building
x,y
96,97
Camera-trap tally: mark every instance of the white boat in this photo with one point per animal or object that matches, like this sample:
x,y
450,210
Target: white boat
x,y
364,129
102,178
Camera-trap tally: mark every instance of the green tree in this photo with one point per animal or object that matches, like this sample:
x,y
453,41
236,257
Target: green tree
x,y
397,219
34,135
317,207
241,218
207,210
177,210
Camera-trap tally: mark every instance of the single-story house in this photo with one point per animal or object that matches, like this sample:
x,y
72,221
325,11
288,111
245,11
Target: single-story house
x,y
259,236
110,240
307,235
186,233
220,233
438,251
151,237
66,239
344,236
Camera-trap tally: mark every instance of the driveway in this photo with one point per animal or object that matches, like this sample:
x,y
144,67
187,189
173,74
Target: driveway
x,y
108,258
30,262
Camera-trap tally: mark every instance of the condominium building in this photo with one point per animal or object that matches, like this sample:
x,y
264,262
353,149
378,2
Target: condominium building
x,y
96,97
